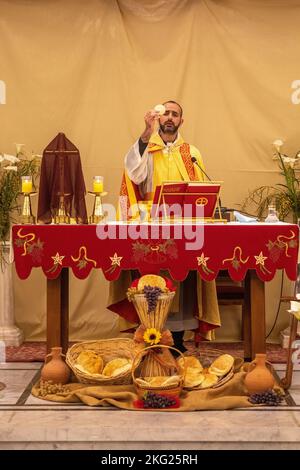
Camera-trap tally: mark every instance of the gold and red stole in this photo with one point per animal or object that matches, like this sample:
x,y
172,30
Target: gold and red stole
x,y
187,170
129,197
185,153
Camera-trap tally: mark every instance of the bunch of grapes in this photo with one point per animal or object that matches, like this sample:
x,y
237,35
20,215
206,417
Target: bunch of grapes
x,y
155,400
152,294
268,398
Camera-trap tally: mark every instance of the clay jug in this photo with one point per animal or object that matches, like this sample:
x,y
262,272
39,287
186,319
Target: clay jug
x,y
259,378
55,369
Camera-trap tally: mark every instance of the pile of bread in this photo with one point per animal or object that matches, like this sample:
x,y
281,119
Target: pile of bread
x,y
159,381
91,363
198,377
195,375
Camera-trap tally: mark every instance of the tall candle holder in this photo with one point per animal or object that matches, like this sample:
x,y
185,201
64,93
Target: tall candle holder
x,y
26,216
145,210
98,214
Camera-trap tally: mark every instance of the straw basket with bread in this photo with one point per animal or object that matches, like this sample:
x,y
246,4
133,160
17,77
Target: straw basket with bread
x,y
158,391
103,362
202,375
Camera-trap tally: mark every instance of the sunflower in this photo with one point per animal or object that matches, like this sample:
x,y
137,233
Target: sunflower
x,y
152,336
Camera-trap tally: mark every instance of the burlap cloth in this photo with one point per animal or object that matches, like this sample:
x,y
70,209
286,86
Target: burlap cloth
x,y
230,395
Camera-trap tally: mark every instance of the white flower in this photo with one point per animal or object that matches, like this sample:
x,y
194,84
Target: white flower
x,y
11,158
277,144
290,161
11,168
19,148
293,161
1,158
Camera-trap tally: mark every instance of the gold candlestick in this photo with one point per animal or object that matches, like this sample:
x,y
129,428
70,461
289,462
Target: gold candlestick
x,y
98,214
27,217
145,210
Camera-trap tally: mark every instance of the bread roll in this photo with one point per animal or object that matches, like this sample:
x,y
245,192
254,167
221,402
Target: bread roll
x,y
222,365
90,362
151,280
112,366
158,381
193,377
209,380
189,361
122,369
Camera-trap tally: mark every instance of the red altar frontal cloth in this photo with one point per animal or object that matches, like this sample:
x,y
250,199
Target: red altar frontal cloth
x,y
236,248
61,175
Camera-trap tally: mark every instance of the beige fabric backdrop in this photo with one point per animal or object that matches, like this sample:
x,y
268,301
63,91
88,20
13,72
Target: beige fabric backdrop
x,y
91,69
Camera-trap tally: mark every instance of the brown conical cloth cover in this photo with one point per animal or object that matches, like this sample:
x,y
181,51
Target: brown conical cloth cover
x,y
61,174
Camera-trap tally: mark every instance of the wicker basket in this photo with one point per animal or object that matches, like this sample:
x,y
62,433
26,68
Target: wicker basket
x,y
170,390
108,349
206,357
158,317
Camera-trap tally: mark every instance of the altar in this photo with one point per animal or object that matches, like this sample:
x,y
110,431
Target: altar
x,y
250,252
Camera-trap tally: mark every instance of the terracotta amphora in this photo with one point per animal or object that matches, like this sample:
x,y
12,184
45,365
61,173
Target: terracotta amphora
x,y
55,369
259,378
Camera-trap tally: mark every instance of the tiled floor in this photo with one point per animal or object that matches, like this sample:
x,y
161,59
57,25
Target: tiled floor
x,y
30,423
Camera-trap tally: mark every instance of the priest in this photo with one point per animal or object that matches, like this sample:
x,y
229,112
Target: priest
x,y
154,158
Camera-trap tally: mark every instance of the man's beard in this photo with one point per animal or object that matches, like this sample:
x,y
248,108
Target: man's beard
x,y
171,129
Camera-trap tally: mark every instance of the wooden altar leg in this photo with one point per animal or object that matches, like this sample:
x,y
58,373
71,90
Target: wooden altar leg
x,y
246,320
287,380
58,311
254,312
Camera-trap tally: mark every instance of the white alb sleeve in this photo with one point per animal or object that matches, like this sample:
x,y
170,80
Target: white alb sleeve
x,y
136,165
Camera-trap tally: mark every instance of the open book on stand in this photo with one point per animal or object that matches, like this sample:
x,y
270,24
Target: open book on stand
x,y
187,199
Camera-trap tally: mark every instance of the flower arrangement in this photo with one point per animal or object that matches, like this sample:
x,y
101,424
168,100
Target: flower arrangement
x,y
152,296
152,336
285,196
12,168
